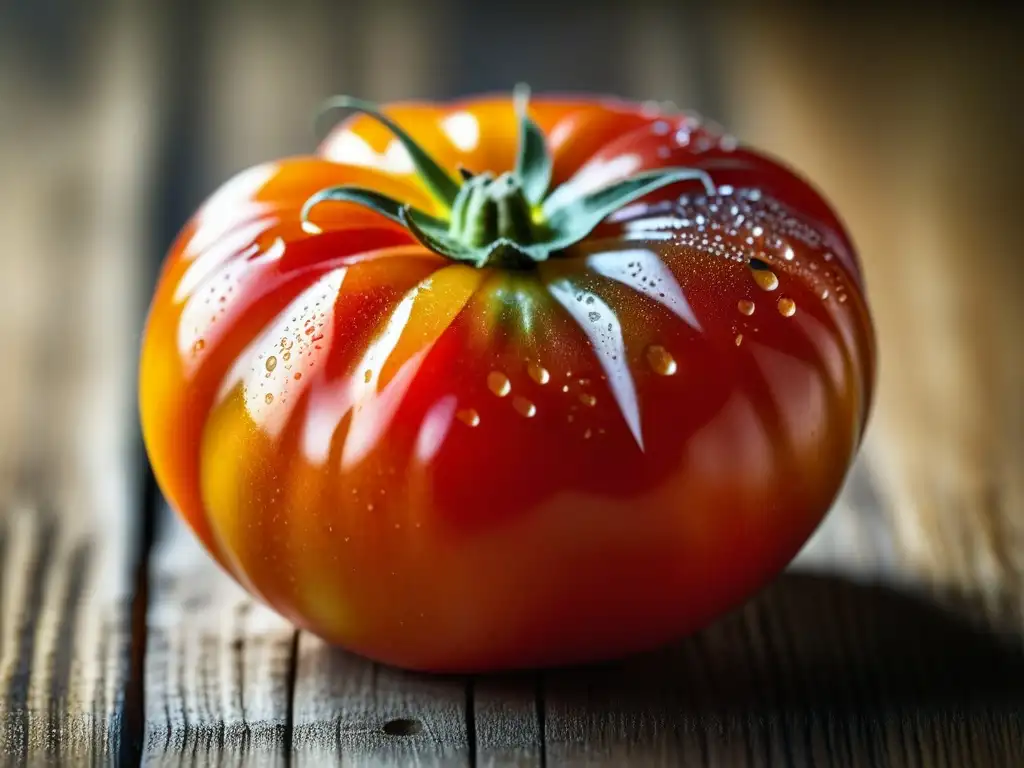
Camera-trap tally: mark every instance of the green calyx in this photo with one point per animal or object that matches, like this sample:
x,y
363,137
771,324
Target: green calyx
x,y
508,221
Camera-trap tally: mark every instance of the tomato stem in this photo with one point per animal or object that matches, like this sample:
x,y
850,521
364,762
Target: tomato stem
x,y
509,221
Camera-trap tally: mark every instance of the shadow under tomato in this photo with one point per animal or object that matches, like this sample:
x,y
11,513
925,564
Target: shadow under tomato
x,y
816,668
816,640
813,667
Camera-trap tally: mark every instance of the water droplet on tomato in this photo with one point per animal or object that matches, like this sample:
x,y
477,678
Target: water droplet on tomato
x,y
271,363
587,434
269,398
739,339
369,507
763,275
588,400
661,361
286,356
565,387
498,383
468,416
524,407
199,346
746,306
367,375
788,254
787,307
538,372
297,376
594,316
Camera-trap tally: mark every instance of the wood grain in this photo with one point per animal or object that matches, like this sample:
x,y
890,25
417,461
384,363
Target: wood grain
x,y
509,719
818,670
73,229
351,710
218,666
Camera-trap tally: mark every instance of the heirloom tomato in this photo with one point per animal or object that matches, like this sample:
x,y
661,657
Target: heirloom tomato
x,y
505,383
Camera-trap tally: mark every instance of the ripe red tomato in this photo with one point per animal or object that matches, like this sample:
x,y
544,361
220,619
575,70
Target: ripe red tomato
x,y
456,422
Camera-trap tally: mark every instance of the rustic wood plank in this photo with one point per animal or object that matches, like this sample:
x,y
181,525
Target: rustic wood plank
x,y
817,670
508,714
73,228
358,713
218,665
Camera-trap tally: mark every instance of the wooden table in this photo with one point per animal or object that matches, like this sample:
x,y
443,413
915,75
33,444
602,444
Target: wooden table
x,y
895,639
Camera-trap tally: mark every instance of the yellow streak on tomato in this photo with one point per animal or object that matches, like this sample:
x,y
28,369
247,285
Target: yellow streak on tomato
x,y
306,534
435,303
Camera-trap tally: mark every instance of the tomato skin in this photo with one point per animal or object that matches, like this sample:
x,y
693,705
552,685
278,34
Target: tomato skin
x,y
458,469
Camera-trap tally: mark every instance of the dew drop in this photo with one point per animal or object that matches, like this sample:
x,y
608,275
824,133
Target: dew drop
x,y
787,307
739,339
763,276
271,363
824,294
498,383
746,306
661,361
297,376
788,254
587,434
468,416
286,356
538,372
369,507
367,375
565,387
199,346
269,398
524,407
588,400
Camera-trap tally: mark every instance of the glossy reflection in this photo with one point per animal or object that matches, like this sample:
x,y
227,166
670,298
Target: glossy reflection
x,y
603,329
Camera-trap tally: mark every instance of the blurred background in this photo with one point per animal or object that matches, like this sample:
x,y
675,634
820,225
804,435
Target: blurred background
x,y
118,118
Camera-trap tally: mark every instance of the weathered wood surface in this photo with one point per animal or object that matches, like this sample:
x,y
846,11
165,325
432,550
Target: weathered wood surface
x,y
894,640
72,216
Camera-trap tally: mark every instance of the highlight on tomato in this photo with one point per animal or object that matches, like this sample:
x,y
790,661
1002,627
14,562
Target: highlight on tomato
x,y
508,383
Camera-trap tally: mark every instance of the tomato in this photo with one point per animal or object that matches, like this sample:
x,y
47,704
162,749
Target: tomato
x,y
491,385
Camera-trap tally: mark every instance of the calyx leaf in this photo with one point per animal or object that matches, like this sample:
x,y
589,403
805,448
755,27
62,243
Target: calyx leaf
x,y
571,221
434,177
533,162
